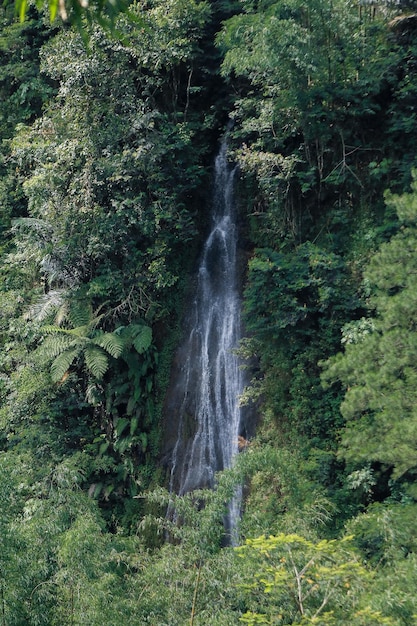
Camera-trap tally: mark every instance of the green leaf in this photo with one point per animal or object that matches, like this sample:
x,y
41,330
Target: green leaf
x,y
63,362
21,6
121,424
53,8
112,343
97,489
131,405
96,361
108,490
122,445
142,339
103,447
54,345
133,425
143,437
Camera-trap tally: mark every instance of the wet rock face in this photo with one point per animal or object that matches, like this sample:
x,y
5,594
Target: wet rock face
x,y
178,415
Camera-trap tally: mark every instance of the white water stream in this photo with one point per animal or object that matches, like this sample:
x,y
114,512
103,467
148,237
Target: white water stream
x,y
210,380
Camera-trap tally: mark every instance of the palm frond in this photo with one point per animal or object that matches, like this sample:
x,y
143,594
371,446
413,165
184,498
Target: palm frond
x,y
56,272
96,361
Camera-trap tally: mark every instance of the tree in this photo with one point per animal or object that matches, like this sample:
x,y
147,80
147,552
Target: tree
x,y
384,534
298,71
102,153
296,581
110,192
378,366
23,93
78,12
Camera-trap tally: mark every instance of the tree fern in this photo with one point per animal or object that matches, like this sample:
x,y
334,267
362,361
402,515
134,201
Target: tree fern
x,y
112,343
82,315
64,345
48,303
96,361
142,338
54,345
63,362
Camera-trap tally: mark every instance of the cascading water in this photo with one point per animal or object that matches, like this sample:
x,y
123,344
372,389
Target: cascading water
x,y
209,382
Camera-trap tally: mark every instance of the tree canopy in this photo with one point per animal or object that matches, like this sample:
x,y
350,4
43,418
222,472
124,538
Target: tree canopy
x,y
110,117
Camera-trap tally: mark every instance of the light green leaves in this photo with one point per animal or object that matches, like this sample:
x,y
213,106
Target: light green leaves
x,y
76,11
298,581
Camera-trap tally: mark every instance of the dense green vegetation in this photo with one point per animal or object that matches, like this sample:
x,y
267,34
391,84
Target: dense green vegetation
x,y
107,140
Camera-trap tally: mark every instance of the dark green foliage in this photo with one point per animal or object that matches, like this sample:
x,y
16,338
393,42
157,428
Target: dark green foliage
x,y
377,368
107,138
292,289
311,116
23,92
295,302
110,173
314,89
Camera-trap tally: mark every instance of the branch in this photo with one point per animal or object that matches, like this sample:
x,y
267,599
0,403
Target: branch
x,y
197,584
298,576
325,601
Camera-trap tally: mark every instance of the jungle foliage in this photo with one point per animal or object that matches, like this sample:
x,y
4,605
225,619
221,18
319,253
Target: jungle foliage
x,y
109,119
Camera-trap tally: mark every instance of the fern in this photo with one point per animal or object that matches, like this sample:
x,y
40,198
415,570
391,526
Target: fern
x,y
57,330
96,361
112,343
81,315
142,339
65,344
54,345
63,362
47,304
80,331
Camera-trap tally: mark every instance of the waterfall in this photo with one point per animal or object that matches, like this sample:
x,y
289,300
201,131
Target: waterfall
x,y
209,380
